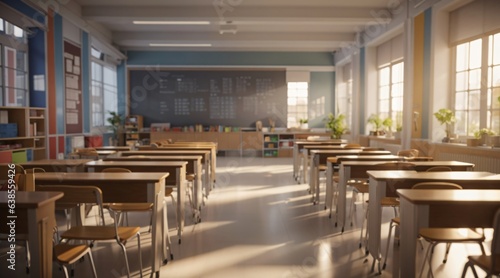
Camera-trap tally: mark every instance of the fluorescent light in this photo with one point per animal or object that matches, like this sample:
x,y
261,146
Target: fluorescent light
x,y
171,22
181,44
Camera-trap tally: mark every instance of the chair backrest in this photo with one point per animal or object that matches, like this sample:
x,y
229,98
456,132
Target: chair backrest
x,y
74,195
409,153
495,243
116,170
439,169
436,185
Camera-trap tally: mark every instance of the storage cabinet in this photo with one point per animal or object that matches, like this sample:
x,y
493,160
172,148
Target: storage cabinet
x,y
22,134
133,127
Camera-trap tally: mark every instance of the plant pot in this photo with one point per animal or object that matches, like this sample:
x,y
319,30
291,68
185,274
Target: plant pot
x,y
397,135
493,140
473,142
446,139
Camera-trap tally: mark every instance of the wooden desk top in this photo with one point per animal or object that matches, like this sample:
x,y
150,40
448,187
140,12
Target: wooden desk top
x,y
431,196
58,162
137,164
166,152
101,177
326,147
365,161
454,175
105,152
350,152
155,158
113,148
30,200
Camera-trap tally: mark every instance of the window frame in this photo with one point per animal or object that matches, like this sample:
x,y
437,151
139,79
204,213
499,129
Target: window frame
x,y
293,120
103,115
392,113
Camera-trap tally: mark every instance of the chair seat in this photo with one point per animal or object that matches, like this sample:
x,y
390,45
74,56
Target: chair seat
x,y
190,177
322,167
99,233
450,235
485,261
360,187
124,207
168,191
69,253
389,202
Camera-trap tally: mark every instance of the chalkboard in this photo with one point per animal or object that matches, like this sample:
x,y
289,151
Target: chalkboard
x,y
228,97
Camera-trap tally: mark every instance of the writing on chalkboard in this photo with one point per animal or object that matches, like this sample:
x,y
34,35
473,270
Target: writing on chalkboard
x,y
208,97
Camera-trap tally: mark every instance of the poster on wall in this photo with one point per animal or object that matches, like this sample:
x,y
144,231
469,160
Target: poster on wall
x,y
73,88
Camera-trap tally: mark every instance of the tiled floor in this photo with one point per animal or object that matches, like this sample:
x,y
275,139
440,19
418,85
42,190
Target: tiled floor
x,y
258,222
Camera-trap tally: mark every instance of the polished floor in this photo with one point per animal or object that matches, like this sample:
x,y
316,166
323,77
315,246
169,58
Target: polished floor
x,y
258,222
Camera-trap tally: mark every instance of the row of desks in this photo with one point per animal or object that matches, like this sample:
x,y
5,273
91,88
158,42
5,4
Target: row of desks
x,y
473,207
151,172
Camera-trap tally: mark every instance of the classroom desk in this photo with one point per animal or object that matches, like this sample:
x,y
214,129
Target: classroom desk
x,y
194,146
297,152
105,153
57,165
385,183
121,188
177,177
352,167
113,148
206,158
194,166
307,159
34,215
443,209
319,157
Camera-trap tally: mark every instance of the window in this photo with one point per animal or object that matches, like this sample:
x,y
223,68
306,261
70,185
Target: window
x,y
104,92
297,102
390,90
13,66
476,102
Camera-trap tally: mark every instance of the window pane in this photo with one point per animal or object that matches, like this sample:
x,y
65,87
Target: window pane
x,y
496,49
397,90
461,81
397,73
384,92
475,79
384,106
496,76
473,122
1,25
397,104
495,121
460,101
495,96
21,61
474,100
462,57
384,77
109,76
460,124
475,54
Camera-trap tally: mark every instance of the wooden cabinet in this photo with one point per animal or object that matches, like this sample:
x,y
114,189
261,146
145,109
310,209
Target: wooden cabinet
x,y
133,128
22,134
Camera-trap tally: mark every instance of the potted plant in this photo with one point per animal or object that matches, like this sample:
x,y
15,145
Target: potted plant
x,y
303,123
482,135
116,121
387,123
336,124
376,122
447,117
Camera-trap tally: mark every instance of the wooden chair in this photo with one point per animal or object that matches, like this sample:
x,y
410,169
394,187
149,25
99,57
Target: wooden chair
x,y
67,254
390,202
77,195
489,263
124,208
444,235
396,221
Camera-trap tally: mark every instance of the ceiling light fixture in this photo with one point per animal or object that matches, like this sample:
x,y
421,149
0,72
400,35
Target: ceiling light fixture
x,y
149,22
180,44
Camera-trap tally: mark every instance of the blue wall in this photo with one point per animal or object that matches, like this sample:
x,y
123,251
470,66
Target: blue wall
x,y
36,61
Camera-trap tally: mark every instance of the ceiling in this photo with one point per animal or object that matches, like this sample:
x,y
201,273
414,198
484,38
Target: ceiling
x,y
235,25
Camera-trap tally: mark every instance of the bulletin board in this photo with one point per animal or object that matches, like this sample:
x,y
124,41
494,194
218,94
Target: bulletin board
x,y
73,87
